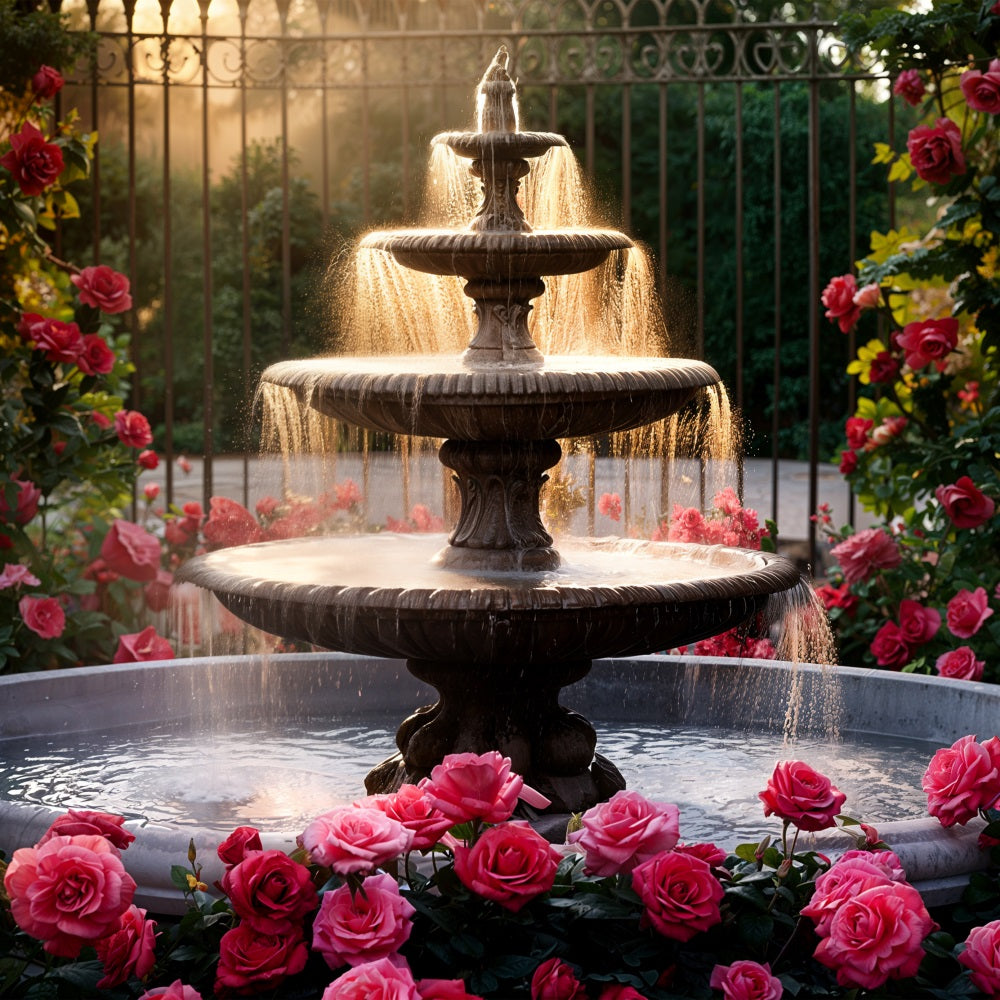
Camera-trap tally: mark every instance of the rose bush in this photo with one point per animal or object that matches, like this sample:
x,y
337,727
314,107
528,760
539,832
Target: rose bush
x,y
922,448
492,909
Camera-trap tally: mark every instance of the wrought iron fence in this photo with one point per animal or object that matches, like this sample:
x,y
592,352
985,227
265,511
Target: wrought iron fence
x,y
242,141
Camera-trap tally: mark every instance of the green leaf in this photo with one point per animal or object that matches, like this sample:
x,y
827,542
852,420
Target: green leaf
x,y
755,929
179,877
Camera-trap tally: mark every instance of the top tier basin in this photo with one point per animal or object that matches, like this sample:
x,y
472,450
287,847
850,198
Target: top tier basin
x,y
498,256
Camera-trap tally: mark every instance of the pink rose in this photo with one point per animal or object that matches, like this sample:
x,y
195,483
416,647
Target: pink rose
x,y
555,980
967,611
863,553
15,574
102,288
610,505
890,428
917,624
411,806
713,856
890,648
129,951
936,153
62,343
848,462
43,615
910,87
510,864
34,163
960,664
270,892
617,991
801,795
885,861
148,459
846,879
621,833
230,523
982,90
132,429
929,340
68,892
982,957
838,297
444,989
868,297
80,822
175,991
468,786
250,962
856,430
131,551
151,491
141,647
679,893
238,844
382,979
28,495
46,83
356,927
157,592
746,981
352,839
962,779
964,503
96,358
876,936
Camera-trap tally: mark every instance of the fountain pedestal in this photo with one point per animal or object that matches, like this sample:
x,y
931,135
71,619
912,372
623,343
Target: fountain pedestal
x,y
496,706
499,527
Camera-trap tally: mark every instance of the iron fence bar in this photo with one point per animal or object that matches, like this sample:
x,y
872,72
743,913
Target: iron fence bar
x,y
323,7
168,254
133,219
208,361
738,253
95,168
663,219
776,372
663,238
814,345
852,236
246,356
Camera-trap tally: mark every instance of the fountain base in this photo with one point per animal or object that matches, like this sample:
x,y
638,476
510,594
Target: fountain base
x,y
649,708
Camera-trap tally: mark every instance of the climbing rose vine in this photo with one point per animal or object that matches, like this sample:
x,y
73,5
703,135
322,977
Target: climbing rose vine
x,y
919,589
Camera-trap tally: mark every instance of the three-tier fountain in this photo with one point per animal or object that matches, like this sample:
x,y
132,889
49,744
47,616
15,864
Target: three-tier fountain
x,y
496,619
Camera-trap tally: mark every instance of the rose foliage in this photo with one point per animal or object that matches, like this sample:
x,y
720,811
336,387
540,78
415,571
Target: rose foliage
x,y
410,897
917,589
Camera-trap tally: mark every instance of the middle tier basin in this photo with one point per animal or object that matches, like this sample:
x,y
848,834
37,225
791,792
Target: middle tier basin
x,y
382,595
440,396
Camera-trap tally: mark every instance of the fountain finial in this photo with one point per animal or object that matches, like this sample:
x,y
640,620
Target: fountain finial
x,y
496,97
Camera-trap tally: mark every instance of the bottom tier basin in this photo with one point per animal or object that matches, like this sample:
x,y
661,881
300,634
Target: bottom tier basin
x,y
383,595
193,748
